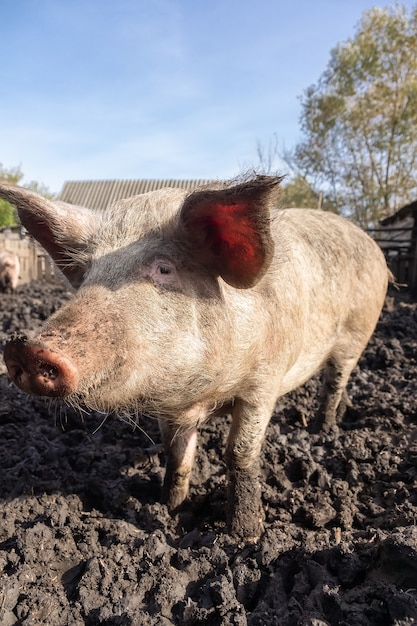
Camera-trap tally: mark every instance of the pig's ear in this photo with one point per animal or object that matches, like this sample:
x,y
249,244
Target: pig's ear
x,y
229,229
62,229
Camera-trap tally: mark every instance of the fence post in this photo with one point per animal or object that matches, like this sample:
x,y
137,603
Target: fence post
x,y
35,263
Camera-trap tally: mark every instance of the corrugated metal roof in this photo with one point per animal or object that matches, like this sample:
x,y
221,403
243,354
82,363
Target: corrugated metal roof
x,y
98,194
405,211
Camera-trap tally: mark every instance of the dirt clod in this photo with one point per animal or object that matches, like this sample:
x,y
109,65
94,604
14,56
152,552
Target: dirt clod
x,y
84,540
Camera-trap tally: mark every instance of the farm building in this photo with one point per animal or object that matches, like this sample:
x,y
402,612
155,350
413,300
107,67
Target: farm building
x,y
397,236
98,194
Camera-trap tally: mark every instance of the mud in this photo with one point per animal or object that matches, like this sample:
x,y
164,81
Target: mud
x,y
83,539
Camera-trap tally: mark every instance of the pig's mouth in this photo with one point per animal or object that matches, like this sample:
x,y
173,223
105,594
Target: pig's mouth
x,y
39,369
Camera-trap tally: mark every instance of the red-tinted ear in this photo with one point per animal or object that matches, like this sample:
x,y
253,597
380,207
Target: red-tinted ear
x,y
229,230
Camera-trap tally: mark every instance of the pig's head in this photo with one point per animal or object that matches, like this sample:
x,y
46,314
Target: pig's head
x,y
151,273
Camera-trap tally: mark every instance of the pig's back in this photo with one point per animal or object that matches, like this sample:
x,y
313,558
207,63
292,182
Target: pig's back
x,y
328,249
325,290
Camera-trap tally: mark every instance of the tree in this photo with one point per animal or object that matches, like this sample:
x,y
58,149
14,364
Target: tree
x,y
8,215
360,120
299,193
268,155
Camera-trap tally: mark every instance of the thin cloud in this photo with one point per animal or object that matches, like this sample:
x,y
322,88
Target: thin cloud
x,y
165,88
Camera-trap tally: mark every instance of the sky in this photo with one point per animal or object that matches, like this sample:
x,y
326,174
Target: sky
x,y
132,89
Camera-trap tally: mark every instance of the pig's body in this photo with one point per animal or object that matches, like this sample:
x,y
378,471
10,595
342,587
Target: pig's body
x,y
187,303
9,271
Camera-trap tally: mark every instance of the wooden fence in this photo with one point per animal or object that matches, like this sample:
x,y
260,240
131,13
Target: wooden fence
x,y
399,245
35,263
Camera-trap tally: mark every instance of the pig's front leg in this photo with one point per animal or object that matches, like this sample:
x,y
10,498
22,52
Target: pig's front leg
x,y
245,512
180,444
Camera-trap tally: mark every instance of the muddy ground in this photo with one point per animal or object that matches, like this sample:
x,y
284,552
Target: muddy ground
x,y
83,539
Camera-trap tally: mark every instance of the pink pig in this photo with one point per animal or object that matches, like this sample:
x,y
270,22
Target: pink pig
x,y
189,303
9,271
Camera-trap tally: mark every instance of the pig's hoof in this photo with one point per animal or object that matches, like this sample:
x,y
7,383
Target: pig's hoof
x,y
252,537
323,424
173,499
249,531
174,489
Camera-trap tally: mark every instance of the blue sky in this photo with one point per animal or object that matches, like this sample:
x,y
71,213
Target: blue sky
x,y
99,89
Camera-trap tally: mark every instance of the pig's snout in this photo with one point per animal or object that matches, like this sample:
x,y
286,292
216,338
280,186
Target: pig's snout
x,y
38,370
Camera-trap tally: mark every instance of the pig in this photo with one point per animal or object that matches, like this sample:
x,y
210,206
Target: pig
x,y
194,303
9,271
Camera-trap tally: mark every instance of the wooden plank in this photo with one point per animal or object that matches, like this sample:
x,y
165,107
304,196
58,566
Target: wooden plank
x,y
35,263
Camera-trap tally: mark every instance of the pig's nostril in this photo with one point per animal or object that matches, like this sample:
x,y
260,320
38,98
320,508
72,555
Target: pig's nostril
x,y
48,371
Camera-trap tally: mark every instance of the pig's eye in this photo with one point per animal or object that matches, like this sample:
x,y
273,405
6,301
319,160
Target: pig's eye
x,y
164,274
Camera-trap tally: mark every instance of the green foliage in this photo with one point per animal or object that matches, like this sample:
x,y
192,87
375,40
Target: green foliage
x,y
41,189
360,120
8,216
298,193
